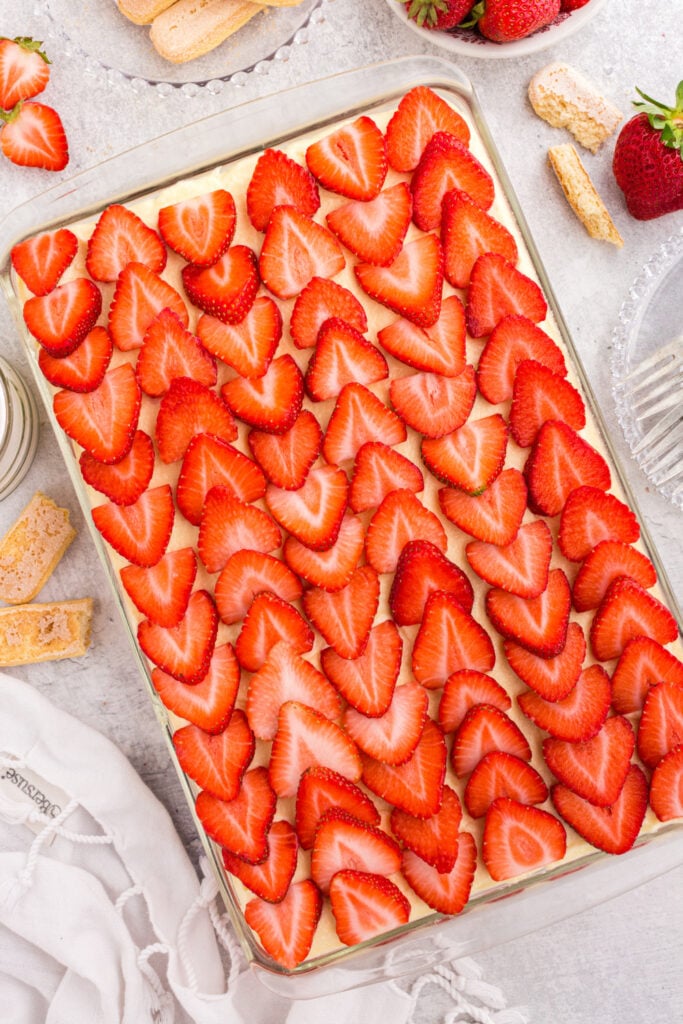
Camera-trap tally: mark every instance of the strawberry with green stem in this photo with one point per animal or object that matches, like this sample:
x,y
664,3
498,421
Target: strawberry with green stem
x,y
648,158
441,14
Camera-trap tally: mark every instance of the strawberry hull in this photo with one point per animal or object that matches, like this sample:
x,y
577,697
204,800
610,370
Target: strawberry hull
x,y
330,618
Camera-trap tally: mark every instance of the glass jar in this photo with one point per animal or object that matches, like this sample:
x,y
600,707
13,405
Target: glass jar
x,y
18,428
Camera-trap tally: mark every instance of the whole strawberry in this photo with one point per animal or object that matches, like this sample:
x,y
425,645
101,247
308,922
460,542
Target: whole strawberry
x,y
504,21
648,158
440,14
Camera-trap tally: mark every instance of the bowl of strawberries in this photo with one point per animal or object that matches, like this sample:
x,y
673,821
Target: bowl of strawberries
x,y
495,28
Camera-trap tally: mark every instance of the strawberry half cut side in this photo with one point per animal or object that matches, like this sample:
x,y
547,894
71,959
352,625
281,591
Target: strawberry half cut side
x,y
139,297
495,515
444,165
344,617
367,682
374,230
537,623
351,160
241,825
207,704
448,640
286,929
216,762
102,421
248,346
187,410
519,839
211,462
332,568
552,678
627,611
199,229
277,180
666,787
139,532
500,774
305,739
365,905
577,717
435,839
319,301
613,829
84,368
393,736
439,348
422,568
248,573
463,690
269,880
121,237
498,289
485,729
321,789
410,286
60,320
342,842
123,482
284,676
642,663
295,250
415,786
183,651
596,768
40,261
269,620
446,892
591,515
168,351
420,114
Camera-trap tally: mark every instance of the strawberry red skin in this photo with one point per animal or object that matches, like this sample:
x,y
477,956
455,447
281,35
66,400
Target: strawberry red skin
x,y
649,174
226,289
505,21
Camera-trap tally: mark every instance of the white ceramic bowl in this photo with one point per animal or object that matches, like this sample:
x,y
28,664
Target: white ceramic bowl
x,y
469,42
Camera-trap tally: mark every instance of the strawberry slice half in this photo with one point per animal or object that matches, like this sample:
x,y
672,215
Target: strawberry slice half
x,y
367,682
229,525
341,842
269,620
344,617
321,789
365,905
209,703
351,160
519,839
271,402
102,421
227,288
470,457
320,300
577,717
62,318
295,250
216,762
286,929
642,663
435,839
277,180
188,409
41,260
199,229
359,416
608,560
139,297
613,829
341,357
286,458
596,768
211,462
446,892
495,515
286,676
123,482
305,739
168,351
183,651
538,395
438,349
467,231
520,567
444,165
161,592
411,285
248,573
314,513
500,774
139,532
271,879
393,736
666,786
241,825
627,611
84,368
121,237
448,640
513,340
422,568
484,729
498,289
378,470
465,688
374,230
248,346
24,70
432,404
420,114
559,461
537,623
661,724
417,785
330,569
589,516
551,678
399,519
33,136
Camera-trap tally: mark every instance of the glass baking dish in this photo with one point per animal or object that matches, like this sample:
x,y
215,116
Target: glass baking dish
x,y
219,146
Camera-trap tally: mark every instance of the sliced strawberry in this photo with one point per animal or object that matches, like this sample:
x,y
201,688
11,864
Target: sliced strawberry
x,y
666,786
314,513
277,180
183,651
121,237
411,285
520,567
286,458
139,297
467,231
342,842
41,260
187,409
561,460
241,825
519,838
432,404
627,611
435,839
378,470
248,573
613,829
552,678
500,774
595,769
465,688
209,703
271,402
578,716
85,368
642,663
24,70
60,320
33,136
320,300
211,462
344,617
321,789
351,160
444,165
248,346
139,532
229,525
421,569
513,340
168,351
359,416
269,620
494,516
439,348
286,929
420,113
393,736
498,289
367,682
470,457
486,728
589,516
304,739
286,676
341,357
538,395
330,569
399,519
216,762
609,559
538,623
102,421
295,250
199,229
446,892
227,288
661,724
124,481
448,640
374,230
366,905
269,880
416,786
161,592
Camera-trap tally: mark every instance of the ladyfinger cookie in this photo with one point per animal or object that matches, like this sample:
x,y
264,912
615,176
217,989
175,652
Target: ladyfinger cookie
x,y
32,547
191,28
582,195
565,99
35,632
143,12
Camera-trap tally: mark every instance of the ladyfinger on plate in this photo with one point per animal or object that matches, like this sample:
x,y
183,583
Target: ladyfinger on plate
x,y
32,547
582,195
191,28
143,12
35,632
565,99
